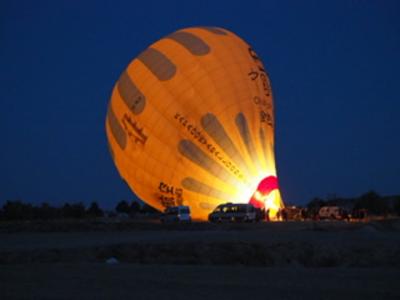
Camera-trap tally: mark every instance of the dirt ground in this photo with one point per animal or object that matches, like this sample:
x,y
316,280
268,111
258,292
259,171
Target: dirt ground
x,y
130,281
324,260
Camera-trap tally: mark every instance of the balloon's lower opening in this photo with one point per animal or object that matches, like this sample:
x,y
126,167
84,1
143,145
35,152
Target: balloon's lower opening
x,y
267,197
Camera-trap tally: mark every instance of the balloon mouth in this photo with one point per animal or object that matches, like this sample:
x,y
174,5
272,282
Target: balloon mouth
x,y
261,198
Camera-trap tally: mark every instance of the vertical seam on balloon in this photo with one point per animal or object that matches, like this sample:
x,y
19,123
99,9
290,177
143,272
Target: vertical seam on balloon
x,y
240,105
249,88
264,145
261,91
153,136
199,94
173,96
219,66
243,127
169,91
155,108
259,87
254,112
148,157
116,128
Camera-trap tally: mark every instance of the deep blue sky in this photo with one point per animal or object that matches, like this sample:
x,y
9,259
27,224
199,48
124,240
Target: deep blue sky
x,y
334,67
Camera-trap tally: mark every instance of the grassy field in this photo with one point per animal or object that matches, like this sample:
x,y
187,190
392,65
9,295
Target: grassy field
x,y
294,260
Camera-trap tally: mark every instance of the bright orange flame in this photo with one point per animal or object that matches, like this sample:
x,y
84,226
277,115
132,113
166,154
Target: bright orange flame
x,y
267,197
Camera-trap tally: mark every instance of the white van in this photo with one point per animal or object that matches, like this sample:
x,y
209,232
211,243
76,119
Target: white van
x,y
229,212
176,214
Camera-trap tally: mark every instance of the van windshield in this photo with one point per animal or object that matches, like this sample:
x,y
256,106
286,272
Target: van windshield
x,y
218,209
171,211
185,210
242,208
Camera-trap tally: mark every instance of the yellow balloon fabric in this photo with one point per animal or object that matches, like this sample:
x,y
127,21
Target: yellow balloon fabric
x,y
190,122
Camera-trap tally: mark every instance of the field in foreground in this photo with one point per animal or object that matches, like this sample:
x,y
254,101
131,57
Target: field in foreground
x,y
129,281
325,260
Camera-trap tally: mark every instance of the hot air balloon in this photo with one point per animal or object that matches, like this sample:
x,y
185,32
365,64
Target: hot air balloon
x,y
190,122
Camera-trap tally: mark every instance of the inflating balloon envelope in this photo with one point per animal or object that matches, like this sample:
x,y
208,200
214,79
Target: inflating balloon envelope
x,y
190,122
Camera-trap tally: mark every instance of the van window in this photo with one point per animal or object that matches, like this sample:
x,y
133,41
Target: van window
x,y
242,208
185,210
171,211
218,209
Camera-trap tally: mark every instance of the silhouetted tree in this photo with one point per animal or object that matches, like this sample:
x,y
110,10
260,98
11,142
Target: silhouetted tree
x,y
314,205
134,208
123,207
396,205
94,210
148,209
75,211
16,210
46,212
66,210
372,202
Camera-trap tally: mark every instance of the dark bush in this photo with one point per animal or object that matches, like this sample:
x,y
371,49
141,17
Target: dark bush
x,y
16,210
74,211
373,203
123,207
94,210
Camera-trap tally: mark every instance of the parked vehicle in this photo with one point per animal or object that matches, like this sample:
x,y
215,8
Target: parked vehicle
x,y
332,212
230,212
176,214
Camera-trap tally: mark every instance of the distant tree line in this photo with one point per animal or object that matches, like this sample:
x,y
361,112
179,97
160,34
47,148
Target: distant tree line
x,y
123,207
370,201
18,210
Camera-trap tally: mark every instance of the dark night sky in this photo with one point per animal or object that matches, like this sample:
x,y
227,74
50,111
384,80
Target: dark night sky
x,y
334,68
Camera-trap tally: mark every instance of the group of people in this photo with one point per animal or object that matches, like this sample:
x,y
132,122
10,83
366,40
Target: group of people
x,y
287,214
281,215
